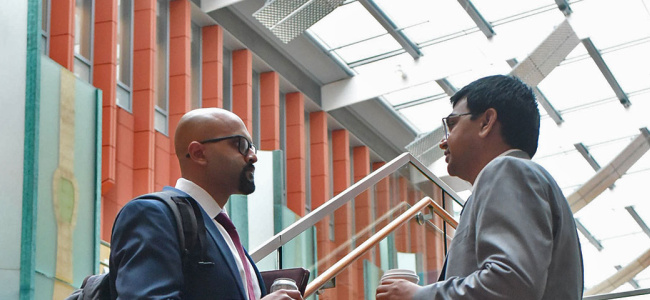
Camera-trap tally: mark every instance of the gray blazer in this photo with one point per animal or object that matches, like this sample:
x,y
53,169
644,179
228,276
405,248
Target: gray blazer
x,y
516,239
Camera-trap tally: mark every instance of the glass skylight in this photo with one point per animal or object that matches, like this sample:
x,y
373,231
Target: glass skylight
x,y
456,50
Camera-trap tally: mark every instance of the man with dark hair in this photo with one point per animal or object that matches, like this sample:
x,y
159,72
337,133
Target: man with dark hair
x,y
516,238
216,158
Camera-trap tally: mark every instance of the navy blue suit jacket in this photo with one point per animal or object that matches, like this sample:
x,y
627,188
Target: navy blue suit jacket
x,y
145,258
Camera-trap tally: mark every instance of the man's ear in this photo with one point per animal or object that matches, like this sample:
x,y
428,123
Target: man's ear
x,y
196,152
488,122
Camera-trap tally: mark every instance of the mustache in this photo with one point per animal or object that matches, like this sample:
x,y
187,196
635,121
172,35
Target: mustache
x,y
249,167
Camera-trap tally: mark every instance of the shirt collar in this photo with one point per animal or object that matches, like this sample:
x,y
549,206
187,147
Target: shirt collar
x,y
200,195
510,152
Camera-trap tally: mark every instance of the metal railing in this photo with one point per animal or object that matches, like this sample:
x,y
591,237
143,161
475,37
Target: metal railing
x,y
620,295
344,197
347,260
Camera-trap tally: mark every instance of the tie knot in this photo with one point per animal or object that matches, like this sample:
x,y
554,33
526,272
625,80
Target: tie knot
x,y
223,219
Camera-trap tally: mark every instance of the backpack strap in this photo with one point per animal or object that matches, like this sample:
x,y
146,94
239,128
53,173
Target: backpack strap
x,y
198,249
189,226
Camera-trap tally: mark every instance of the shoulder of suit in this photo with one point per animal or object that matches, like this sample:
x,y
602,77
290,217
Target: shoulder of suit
x,y
515,165
505,163
145,204
507,159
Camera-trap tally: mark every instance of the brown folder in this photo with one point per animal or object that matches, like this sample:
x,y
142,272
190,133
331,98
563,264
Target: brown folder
x,y
299,275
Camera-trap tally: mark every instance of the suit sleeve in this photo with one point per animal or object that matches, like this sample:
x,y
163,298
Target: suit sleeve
x,y
145,257
514,237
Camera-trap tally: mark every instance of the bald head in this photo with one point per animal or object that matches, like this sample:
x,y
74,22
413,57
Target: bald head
x,y
208,147
202,124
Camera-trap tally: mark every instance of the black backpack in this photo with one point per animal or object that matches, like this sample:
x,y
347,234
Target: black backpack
x,y
191,237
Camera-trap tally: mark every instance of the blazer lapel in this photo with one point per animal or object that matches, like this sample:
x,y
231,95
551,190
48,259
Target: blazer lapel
x,y
222,246
257,274
224,250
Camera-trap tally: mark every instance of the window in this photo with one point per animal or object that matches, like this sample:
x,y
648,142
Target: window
x,y
162,43
257,140
124,43
227,79
45,25
83,39
196,66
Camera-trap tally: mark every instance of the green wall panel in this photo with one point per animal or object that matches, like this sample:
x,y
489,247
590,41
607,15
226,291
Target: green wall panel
x,y
85,171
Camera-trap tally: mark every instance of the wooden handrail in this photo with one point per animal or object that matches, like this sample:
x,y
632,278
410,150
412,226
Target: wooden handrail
x,y
340,265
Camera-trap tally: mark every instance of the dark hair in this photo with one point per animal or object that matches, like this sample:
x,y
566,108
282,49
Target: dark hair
x,y
515,104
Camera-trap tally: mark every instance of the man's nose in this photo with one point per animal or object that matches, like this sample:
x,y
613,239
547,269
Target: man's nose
x,y
443,144
251,156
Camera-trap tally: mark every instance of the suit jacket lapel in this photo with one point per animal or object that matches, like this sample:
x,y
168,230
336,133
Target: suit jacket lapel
x,y
224,250
257,274
443,271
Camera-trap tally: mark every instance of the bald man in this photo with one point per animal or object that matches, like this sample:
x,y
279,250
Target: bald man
x,y
217,158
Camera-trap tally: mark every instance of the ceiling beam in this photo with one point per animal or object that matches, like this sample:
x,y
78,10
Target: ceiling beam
x,y
381,17
624,275
564,7
548,55
376,125
541,99
446,86
606,176
589,158
638,219
590,237
371,85
609,76
419,101
425,148
331,54
279,62
478,19
632,282
210,5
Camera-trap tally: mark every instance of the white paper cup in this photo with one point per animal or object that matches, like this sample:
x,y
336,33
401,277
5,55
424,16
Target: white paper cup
x,y
401,274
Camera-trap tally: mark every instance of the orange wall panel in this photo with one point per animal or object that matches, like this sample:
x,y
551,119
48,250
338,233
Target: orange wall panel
x,y
104,78
362,212
212,69
343,216
269,111
115,198
382,206
320,183
143,95
296,154
242,87
62,20
402,243
162,158
180,85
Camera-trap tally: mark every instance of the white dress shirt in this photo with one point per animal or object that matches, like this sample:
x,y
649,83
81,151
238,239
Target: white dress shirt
x,y
213,209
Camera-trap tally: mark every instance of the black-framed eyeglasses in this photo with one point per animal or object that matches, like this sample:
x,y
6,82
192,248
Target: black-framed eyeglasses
x,y
449,122
243,144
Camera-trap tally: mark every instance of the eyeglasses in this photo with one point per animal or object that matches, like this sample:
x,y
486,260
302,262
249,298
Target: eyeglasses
x,y
243,144
449,122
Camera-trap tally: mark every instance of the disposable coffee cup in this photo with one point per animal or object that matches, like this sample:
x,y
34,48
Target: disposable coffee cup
x,y
405,274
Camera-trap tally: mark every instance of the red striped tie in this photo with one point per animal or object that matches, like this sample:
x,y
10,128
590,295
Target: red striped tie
x,y
230,228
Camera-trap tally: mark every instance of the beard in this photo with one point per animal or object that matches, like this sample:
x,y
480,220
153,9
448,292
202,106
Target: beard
x,y
246,181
